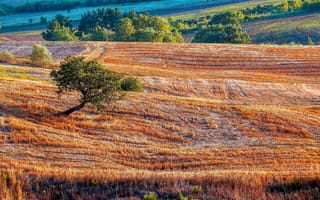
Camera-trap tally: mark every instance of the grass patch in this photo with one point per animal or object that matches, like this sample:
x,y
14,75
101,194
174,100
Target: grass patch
x,y
21,74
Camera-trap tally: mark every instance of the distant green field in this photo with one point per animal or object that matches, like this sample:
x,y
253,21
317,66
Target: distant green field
x,y
225,8
283,30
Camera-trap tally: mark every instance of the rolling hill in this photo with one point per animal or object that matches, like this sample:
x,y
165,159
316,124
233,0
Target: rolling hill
x,y
234,121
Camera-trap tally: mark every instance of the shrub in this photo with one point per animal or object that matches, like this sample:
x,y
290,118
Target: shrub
x,y
196,188
131,84
40,56
150,196
6,56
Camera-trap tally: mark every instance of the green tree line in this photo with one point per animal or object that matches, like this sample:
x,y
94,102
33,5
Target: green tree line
x,y
112,25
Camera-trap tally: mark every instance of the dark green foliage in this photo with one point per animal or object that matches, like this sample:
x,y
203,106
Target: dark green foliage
x,y
146,28
142,21
232,17
124,31
105,18
95,84
230,33
148,34
60,29
261,10
59,33
62,20
101,34
109,25
131,84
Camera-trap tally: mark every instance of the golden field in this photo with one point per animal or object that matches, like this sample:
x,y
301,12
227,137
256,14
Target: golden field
x,y
241,121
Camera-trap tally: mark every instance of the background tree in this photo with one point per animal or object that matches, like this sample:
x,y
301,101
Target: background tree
x,y
142,21
102,34
62,20
95,84
125,30
40,56
59,32
60,29
145,28
230,33
232,17
148,34
106,18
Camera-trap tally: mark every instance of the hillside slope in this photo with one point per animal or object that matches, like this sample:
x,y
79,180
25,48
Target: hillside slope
x,y
209,112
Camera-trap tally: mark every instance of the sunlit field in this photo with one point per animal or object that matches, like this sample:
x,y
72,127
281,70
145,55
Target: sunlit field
x,y
240,121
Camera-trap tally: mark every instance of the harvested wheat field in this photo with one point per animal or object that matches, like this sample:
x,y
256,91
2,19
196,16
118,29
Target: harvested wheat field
x,y
213,122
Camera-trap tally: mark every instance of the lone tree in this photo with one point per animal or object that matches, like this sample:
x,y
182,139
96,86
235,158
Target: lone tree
x,y
95,84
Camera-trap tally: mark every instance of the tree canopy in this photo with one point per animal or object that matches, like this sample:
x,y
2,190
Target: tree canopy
x,y
112,25
146,28
232,17
230,33
95,84
125,30
60,29
105,18
101,34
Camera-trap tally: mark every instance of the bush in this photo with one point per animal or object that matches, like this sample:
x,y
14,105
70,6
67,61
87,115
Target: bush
x,y
6,56
40,56
131,84
196,189
150,196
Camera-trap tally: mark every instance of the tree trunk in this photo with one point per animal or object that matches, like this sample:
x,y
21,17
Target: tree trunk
x,y
71,110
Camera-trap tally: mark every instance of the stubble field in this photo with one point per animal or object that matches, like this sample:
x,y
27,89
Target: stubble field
x,y
241,121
